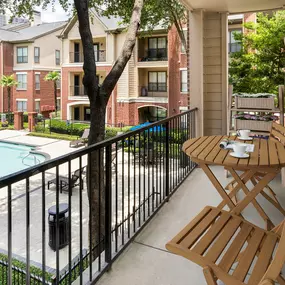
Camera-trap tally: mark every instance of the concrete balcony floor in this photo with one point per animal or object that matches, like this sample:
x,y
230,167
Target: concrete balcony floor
x,y
146,261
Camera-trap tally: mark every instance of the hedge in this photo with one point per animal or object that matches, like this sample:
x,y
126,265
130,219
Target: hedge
x,y
77,129
19,273
62,127
36,274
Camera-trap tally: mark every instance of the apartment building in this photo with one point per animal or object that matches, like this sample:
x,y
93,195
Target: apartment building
x,y
30,52
154,82
143,91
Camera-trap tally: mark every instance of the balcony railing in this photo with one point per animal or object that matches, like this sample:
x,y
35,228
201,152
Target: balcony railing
x,y
136,173
77,57
156,54
157,87
77,90
153,90
235,47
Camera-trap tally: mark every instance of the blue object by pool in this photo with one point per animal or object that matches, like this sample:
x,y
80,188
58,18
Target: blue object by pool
x,y
134,128
155,128
16,157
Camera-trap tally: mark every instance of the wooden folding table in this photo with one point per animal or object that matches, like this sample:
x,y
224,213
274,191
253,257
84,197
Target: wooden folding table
x,y
264,163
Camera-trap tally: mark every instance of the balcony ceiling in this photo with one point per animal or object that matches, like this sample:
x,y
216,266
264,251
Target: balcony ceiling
x,y
234,6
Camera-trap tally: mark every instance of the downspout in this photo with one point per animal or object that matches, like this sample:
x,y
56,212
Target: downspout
x,y
2,73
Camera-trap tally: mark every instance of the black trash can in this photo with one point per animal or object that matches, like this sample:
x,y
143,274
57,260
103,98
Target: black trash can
x,y
63,225
184,158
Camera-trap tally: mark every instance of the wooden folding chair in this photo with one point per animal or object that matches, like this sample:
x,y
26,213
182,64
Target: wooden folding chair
x,y
232,250
277,134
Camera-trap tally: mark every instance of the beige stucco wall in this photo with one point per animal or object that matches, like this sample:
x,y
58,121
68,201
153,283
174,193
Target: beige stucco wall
x,y
48,44
97,30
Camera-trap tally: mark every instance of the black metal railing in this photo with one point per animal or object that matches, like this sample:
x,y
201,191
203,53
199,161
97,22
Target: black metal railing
x,y
155,54
131,178
157,87
77,90
153,90
76,57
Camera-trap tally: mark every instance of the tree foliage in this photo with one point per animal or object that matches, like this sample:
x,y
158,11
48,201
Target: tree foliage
x,y
8,81
54,76
259,66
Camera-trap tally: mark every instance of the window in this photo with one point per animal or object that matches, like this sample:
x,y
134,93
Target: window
x,y
37,81
38,106
58,83
22,54
58,104
182,46
96,51
157,48
183,81
22,106
157,81
234,45
22,81
36,54
57,57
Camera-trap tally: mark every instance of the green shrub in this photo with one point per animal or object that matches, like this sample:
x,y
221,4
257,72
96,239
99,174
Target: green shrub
x,y
112,132
40,128
62,127
25,117
18,272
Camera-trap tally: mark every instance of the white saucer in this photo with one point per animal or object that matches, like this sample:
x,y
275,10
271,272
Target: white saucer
x,y
245,139
245,155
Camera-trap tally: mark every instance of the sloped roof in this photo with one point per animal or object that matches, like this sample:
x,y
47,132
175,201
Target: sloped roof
x,y
31,33
110,24
16,26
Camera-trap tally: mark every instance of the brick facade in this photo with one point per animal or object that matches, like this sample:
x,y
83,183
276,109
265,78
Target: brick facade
x,y
128,113
66,99
45,94
6,54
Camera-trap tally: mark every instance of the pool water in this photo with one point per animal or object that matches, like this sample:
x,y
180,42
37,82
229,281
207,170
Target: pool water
x,y
16,157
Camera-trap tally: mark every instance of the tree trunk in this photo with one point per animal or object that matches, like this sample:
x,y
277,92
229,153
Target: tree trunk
x,y
55,97
98,98
9,99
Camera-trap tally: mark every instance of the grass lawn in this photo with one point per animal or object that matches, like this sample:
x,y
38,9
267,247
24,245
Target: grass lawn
x,y
54,136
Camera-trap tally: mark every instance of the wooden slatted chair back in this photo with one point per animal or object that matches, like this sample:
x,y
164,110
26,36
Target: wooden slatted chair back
x,y
277,133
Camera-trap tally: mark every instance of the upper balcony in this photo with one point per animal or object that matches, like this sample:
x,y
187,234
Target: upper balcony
x,y
77,57
76,50
152,51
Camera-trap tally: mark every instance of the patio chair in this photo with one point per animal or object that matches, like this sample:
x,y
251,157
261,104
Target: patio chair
x,y
64,181
277,134
216,240
82,141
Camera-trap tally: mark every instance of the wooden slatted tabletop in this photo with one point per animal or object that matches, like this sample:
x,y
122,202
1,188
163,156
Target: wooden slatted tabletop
x,y
207,150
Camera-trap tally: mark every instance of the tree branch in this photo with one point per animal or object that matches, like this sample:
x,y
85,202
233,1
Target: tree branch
x,y
126,53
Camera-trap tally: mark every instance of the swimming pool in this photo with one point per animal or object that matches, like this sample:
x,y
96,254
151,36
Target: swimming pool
x,y
16,157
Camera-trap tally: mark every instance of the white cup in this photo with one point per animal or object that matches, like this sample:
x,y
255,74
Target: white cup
x,y
244,133
239,148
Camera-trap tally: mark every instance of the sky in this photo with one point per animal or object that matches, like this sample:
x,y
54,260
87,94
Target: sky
x,y
49,15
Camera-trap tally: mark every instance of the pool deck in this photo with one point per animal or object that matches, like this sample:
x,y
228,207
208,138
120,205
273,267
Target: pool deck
x,y
53,147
